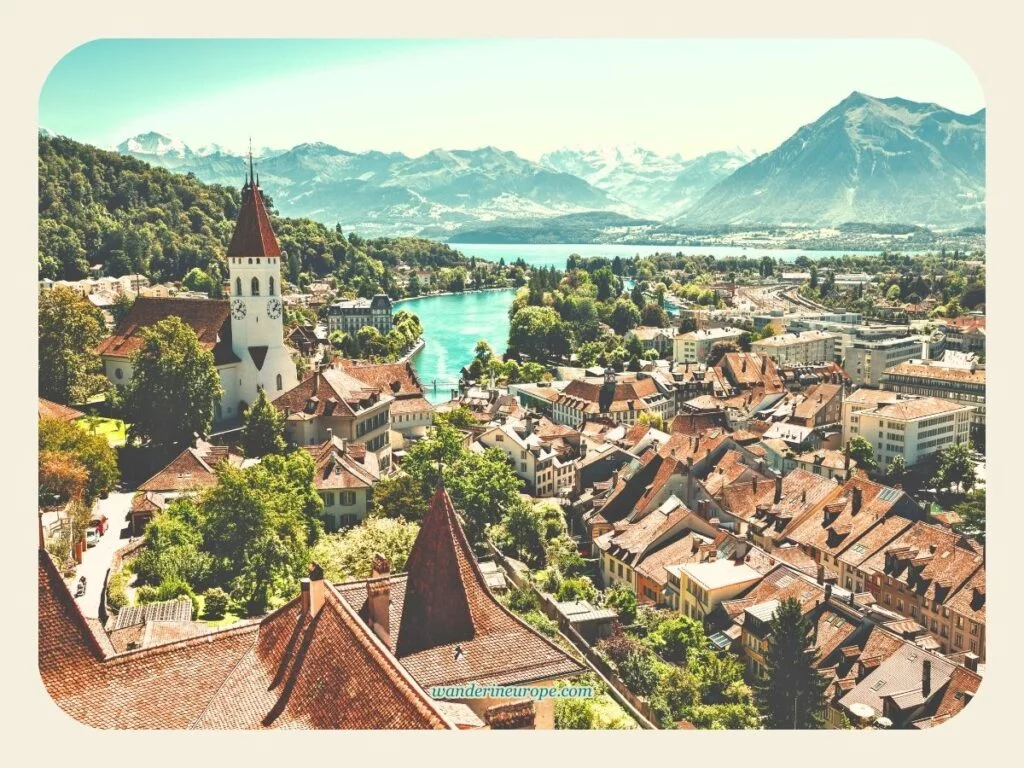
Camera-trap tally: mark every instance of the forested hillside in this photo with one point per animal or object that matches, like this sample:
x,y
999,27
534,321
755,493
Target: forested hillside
x,y
98,207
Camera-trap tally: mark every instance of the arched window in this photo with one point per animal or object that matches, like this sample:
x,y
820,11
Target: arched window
x,y
255,286
280,383
238,286
271,286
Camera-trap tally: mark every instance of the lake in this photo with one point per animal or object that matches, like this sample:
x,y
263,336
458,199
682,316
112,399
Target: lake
x,y
548,255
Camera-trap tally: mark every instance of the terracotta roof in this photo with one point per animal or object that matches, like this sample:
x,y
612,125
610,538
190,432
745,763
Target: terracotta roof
x,y
253,235
450,628
207,317
833,526
959,691
593,396
341,466
285,671
815,399
917,408
969,600
876,537
730,469
397,379
411,405
931,561
926,371
744,370
900,677
330,392
686,549
191,469
51,410
631,540
693,423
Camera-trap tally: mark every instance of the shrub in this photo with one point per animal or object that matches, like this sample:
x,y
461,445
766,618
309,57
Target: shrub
x,y
622,599
638,672
541,623
117,595
618,645
523,599
174,588
574,714
215,602
145,594
580,588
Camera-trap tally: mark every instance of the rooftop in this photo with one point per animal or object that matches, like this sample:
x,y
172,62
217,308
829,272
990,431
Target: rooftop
x,y
717,574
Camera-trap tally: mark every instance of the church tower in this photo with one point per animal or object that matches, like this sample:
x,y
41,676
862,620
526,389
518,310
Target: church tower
x,y
257,325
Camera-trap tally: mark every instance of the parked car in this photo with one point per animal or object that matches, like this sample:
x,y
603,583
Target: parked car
x,y
92,537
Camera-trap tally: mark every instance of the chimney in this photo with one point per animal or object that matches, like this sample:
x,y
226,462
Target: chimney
x,y
313,591
821,573
330,436
615,478
858,497
778,488
926,678
378,599
316,383
754,484
743,366
828,592
803,496
764,364
971,661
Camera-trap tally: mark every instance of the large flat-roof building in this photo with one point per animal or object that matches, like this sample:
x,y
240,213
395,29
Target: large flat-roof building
x,y
867,359
932,378
694,347
349,315
912,427
806,347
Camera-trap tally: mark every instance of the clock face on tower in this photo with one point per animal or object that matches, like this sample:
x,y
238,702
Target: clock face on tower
x,y
238,309
274,308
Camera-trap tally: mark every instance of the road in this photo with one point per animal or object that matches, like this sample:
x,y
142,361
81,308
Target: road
x,y
96,560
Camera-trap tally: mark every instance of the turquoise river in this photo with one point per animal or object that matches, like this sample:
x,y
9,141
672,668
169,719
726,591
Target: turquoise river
x,y
454,323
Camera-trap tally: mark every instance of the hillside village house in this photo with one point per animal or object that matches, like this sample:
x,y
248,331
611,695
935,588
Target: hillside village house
x,y
658,339
619,398
542,454
344,476
698,588
249,354
332,402
411,413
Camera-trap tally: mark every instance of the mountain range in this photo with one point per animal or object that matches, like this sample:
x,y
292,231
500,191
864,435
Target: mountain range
x,y
881,161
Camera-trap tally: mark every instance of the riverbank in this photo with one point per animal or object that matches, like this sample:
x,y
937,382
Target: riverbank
x,y
450,293
420,343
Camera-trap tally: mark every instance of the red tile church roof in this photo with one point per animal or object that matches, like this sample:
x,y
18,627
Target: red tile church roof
x,y
253,234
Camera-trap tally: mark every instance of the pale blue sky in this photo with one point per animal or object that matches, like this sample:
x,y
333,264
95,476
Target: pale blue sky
x,y
530,96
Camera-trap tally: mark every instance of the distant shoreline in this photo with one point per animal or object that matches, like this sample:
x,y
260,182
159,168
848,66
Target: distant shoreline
x,y
450,293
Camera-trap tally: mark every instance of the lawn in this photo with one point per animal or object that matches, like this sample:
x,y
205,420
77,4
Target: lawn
x,y
113,429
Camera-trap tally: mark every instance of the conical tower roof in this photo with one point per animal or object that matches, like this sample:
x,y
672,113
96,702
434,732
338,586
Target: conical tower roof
x,y
253,234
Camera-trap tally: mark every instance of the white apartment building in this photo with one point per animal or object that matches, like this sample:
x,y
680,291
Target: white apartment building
x,y
912,427
694,347
547,464
867,359
805,347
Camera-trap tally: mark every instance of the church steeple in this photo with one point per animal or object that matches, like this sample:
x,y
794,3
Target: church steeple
x,y
253,234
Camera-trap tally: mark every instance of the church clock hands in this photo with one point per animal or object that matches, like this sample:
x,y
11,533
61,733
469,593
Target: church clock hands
x,y
238,309
273,308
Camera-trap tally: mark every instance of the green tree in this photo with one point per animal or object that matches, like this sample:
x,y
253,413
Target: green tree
x,y
579,588
533,332
956,469
893,294
624,316
653,315
622,599
522,531
792,696
897,469
563,554
174,385
861,451
399,495
972,515
258,524
679,637
197,280
92,452
70,328
639,673
349,554
636,295
122,305
608,285
652,419
264,428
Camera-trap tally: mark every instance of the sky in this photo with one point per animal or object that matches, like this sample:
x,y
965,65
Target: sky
x,y
530,96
